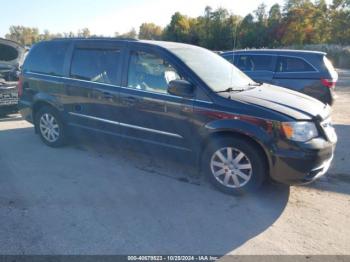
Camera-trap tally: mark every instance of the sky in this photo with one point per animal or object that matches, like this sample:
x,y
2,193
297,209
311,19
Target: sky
x,y
105,17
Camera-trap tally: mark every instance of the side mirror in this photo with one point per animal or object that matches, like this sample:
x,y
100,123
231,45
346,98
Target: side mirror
x,y
181,88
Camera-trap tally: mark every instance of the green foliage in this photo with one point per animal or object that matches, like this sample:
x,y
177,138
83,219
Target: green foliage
x,y
179,28
215,30
339,55
298,22
28,36
23,35
131,34
85,32
150,31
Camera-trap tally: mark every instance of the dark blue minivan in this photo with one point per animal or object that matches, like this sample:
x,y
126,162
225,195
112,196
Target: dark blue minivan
x,y
179,97
309,72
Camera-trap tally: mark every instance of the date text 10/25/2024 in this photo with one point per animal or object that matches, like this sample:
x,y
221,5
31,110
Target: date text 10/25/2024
x,y
172,258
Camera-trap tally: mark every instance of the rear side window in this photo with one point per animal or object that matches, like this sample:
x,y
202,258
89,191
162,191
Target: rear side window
x,y
255,63
47,58
293,64
96,65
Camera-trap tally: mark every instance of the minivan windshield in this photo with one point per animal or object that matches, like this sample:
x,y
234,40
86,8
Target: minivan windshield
x,y
215,71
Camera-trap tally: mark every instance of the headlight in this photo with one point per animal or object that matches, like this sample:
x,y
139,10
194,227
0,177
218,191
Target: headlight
x,y
299,131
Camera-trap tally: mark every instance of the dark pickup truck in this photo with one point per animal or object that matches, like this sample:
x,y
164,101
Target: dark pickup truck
x,y
11,58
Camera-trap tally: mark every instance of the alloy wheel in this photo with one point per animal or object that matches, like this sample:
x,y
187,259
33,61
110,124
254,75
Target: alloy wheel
x,y
231,167
49,127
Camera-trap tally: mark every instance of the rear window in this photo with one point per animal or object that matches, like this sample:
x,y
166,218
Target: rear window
x,y
255,63
47,58
293,64
98,65
7,53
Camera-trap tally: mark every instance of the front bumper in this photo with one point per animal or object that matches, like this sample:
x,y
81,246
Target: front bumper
x,y
303,166
318,172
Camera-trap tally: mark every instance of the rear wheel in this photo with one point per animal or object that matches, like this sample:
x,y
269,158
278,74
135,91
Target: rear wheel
x,y
234,165
50,127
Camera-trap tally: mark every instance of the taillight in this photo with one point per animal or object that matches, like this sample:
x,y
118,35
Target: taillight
x,y
20,86
330,83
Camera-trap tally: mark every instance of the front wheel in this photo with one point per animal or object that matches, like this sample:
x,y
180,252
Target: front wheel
x,y
50,127
234,166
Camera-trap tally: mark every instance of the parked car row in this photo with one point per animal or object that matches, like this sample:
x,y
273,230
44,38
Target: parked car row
x,y
11,58
181,97
308,72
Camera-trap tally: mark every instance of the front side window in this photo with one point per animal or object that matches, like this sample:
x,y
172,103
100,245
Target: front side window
x,y
47,58
293,64
150,72
255,63
98,65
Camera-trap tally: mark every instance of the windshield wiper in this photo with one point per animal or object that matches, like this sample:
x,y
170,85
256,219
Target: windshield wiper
x,y
230,89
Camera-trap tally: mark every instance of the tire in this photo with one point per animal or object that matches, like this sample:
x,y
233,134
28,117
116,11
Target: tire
x,y
53,133
246,171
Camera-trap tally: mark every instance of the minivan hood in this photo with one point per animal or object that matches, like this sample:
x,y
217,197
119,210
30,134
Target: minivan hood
x,y
285,101
11,54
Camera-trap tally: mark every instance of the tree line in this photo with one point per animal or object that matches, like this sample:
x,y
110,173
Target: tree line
x,y
297,23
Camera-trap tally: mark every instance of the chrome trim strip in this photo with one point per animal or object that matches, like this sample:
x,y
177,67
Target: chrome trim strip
x,y
127,88
126,125
131,137
95,118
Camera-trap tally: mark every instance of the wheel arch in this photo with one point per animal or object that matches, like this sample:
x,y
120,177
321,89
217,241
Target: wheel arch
x,y
234,133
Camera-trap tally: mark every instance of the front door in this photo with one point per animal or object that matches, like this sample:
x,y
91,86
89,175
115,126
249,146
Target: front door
x,y
147,111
